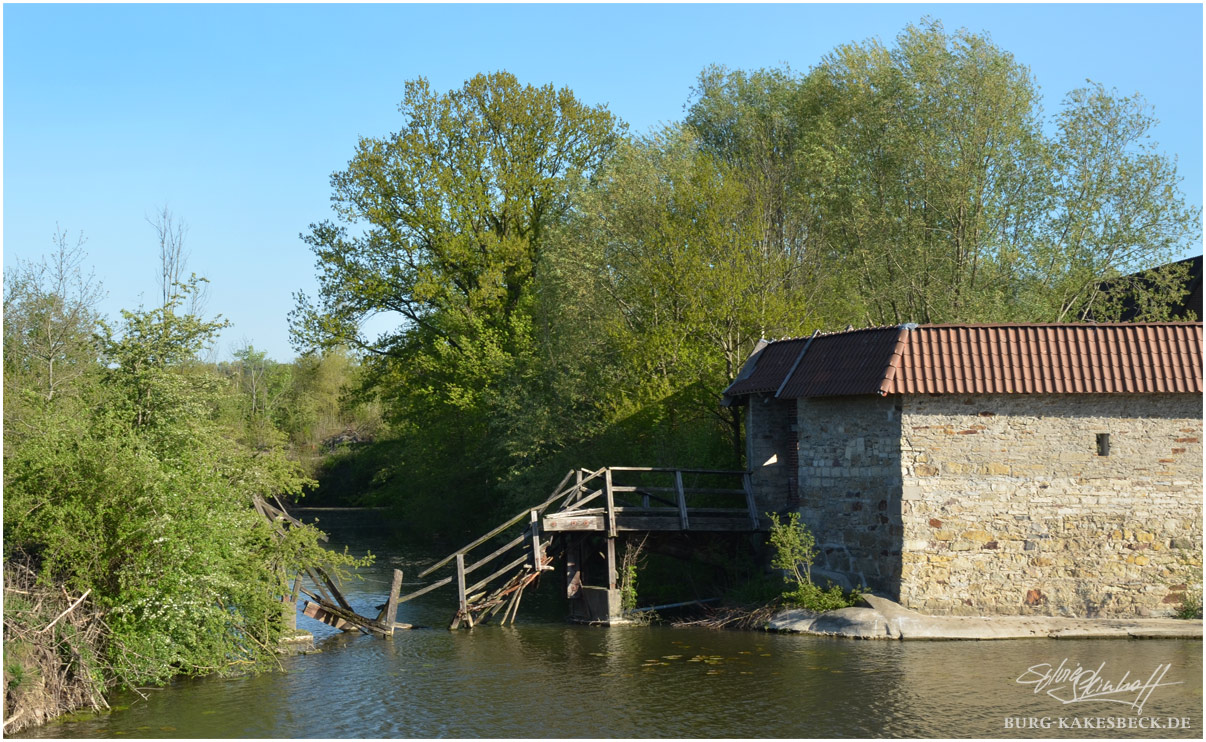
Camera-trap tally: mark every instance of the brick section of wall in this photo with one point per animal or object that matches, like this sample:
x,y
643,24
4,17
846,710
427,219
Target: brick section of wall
x,y
850,486
770,443
1009,509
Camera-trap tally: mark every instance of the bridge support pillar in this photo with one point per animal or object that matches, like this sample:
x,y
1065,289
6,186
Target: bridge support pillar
x,y
591,580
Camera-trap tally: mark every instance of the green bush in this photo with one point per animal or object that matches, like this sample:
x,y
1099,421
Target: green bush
x,y
795,552
131,488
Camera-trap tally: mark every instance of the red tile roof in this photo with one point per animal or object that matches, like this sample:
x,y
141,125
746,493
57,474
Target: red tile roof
x,y
1121,358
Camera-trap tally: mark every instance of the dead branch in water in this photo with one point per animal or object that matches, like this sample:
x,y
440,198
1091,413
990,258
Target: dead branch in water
x,y
733,617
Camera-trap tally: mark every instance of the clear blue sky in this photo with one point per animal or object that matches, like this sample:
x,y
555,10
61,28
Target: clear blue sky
x,y
235,116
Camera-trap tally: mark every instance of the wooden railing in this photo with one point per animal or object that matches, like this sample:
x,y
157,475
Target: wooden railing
x,y
613,491
673,493
527,549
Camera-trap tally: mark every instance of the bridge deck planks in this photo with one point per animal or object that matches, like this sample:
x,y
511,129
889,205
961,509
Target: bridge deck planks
x,y
650,519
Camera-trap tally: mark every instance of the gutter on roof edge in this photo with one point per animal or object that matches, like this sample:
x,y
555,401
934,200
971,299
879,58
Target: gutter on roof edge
x,y
796,365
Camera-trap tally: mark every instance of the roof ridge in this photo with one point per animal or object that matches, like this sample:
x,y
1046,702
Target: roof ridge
x,y
895,360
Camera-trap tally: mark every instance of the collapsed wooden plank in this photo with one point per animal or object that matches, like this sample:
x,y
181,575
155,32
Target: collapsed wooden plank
x,y
333,615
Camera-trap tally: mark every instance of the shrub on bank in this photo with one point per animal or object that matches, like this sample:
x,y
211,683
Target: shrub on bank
x,y
132,490
795,552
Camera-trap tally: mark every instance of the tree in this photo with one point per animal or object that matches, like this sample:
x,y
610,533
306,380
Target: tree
x,y
50,319
929,179
262,386
445,227
150,362
677,251
454,210
1117,208
170,232
927,176
754,123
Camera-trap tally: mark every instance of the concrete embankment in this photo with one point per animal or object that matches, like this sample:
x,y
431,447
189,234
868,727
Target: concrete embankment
x,y
884,619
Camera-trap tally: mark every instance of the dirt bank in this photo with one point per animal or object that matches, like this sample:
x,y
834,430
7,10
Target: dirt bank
x,y
52,641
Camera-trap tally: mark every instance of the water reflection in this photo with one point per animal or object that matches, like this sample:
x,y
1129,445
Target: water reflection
x,y
544,678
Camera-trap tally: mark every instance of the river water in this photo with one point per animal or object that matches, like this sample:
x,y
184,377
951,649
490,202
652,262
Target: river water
x,y
546,678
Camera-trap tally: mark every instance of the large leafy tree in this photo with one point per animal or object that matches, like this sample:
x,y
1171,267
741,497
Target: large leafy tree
x,y
928,174
444,226
674,245
443,223
1116,208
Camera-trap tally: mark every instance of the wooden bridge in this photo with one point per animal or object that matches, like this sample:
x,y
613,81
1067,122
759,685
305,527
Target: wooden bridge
x,y
608,505
589,515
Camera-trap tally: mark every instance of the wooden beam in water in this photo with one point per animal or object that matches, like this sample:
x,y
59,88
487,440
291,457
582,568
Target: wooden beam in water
x,y
461,593
318,613
327,613
387,619
425,590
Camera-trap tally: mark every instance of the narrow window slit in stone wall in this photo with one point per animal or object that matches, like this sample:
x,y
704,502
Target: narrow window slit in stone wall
x,y
1103,444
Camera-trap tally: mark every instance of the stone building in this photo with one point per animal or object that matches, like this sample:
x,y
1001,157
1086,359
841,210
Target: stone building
x,y
989,469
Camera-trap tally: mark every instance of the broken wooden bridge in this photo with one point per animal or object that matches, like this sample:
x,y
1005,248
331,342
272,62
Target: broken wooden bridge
x,y
588,516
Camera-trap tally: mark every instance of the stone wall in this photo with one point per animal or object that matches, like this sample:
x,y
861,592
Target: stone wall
x,y
770,450
1009,508
850,484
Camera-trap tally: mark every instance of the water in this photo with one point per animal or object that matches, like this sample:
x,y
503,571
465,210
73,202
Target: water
x,y
545,678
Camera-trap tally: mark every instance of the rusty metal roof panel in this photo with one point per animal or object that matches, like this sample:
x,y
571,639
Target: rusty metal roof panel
x,y
766,367
1118,358
852,362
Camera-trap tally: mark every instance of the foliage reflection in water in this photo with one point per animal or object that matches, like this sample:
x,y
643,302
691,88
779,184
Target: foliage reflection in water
x,y
544,678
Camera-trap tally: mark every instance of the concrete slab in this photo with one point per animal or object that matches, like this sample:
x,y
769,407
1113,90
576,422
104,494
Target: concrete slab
x,y
855,623
886,619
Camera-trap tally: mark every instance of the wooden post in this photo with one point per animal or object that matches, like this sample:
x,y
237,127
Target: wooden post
x,y
611,564
573,566
611,505
535,528
748,484
290,606
614,600
460,588
682,500
391,605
